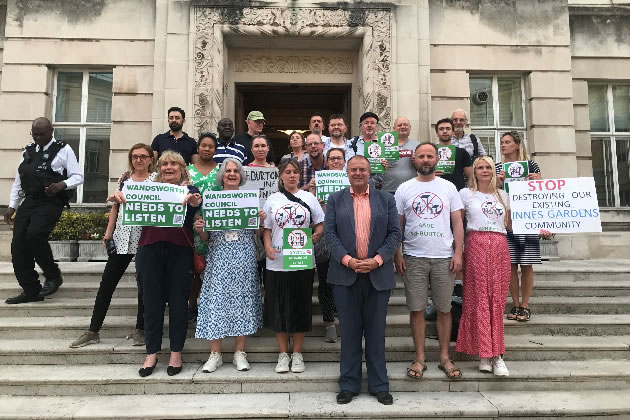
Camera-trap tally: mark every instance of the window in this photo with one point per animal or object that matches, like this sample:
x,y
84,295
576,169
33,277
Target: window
x,y
609,113
82,118
496,106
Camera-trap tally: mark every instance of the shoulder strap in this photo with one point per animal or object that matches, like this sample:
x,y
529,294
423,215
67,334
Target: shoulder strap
x,y
353,144
124,178
475,143
295,199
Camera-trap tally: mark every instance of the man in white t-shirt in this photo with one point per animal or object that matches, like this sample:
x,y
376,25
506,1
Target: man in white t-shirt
x,y
428,206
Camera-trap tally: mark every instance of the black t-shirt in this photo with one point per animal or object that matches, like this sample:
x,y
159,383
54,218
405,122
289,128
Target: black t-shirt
x,y
462,160
185,145
246,141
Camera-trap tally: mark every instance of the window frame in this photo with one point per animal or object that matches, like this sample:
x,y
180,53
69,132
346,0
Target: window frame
x,y
83,125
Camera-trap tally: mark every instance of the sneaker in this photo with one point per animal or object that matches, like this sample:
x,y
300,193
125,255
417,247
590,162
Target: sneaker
x,y
214,361
192,313
331,334
240,360
499,368
485,364
137,338
85,340
283,363
297,363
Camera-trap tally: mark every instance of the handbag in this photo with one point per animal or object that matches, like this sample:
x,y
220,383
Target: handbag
x,y
199,261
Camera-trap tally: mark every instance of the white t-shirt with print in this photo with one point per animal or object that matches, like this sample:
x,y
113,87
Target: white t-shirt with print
x,y
483,211
427,207
284,213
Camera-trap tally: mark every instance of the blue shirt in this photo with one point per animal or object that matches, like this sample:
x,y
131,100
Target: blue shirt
x,y
185,145
230,150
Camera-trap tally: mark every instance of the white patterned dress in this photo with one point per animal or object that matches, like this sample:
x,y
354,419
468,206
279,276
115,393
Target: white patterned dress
x,y
230,303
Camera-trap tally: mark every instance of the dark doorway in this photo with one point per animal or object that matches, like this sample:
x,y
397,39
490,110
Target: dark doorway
x,y
288,107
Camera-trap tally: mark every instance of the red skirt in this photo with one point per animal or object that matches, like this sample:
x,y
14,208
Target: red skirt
x,y
486,286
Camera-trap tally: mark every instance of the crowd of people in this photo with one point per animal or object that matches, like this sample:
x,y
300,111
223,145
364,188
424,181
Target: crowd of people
x,y
433,227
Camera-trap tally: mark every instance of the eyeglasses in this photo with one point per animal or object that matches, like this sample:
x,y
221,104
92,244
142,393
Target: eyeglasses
x,y
332,159
313,144
139,157
459,119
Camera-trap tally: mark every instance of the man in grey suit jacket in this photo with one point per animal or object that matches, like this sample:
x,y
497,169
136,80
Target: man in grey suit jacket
x,y
362,229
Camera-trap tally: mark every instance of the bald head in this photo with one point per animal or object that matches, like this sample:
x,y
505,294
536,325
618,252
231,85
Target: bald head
x,y
403,126
42,131
460,119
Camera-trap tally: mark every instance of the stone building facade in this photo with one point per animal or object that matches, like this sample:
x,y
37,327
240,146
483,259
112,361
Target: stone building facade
x,y
106,71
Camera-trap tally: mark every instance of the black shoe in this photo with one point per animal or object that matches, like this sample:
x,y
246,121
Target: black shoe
x,y
143,372
23,298
172,370
50,287
383,397
344,397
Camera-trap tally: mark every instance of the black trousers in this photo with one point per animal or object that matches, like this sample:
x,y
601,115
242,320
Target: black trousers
x,y
324,292
165,272
114,270
34,221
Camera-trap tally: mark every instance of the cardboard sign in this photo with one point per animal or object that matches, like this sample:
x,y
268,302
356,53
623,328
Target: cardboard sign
x,y
153,204
446,159
226,210
297,249
557,205
328,182
514,171
265,180
385,147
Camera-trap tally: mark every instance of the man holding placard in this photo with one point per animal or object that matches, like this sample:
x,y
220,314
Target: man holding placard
x,y
360,145
313,162
403,169
454,163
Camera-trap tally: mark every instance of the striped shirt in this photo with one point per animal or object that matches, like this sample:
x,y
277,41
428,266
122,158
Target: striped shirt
x,y
362,215
307,171
230,150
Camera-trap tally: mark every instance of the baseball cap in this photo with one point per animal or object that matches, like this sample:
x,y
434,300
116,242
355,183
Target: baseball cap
x,y
368,115
255,116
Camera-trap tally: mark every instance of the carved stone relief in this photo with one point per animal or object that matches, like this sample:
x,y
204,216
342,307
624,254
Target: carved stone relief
x,y
212,23
248,63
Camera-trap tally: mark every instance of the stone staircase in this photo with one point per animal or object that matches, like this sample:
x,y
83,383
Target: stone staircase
x,y
572,359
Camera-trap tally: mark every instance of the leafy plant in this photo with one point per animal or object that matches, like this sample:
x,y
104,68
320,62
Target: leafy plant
x,y
79,226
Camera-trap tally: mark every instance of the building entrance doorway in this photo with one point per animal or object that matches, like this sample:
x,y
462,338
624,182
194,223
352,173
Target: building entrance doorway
x,y
288,107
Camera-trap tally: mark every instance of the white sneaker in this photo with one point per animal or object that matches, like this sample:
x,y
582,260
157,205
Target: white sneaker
x,y
499,368
283,363
240,360
485,364
297,363
214,361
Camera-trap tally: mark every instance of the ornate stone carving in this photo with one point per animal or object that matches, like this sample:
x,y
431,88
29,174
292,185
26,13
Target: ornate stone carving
x,y
212,22
247,63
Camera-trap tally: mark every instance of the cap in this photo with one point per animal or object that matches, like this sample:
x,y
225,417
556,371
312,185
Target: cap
x,y
255,116
368,115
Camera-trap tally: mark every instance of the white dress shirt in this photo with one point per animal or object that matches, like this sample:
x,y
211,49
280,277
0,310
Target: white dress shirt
x,y
65,159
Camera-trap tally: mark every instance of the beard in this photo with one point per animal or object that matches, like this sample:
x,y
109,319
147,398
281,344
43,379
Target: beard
x,y
175,126
426,171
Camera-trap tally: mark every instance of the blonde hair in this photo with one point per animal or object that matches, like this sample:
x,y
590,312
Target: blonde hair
x,y
522,151
173,156
474,185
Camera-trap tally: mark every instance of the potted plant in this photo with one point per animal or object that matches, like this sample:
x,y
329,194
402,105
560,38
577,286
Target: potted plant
x,y
90,243
63,239
548,246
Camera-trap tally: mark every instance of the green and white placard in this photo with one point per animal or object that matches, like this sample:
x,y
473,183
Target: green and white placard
x,y
153,204
514,171
385,147
446,159
227,210
297,249
328,182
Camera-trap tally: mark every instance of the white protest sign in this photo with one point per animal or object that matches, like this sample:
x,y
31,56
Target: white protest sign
x,y
264,180
226,210
557,205
328,182
153,204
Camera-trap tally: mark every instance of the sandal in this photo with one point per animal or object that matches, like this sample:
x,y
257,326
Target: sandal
x,y
449,372
514,313
415,373
525,315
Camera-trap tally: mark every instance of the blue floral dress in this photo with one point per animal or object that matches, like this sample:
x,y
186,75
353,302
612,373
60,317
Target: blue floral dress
x,y
230,303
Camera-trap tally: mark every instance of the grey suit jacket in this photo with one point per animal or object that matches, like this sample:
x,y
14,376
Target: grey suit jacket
x,y
385,237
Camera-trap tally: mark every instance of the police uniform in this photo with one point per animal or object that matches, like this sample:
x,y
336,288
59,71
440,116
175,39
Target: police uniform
x,y
38,212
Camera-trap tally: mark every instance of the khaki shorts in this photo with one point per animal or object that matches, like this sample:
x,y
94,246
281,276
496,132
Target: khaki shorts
x,y
421,272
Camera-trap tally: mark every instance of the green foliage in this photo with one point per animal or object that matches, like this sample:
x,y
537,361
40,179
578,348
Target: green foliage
x,y
80,226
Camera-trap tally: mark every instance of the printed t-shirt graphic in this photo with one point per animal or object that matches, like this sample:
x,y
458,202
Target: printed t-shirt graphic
x,y
483,211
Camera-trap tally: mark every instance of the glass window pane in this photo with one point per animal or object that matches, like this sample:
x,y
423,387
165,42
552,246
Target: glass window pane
x,y
621,106
96,167
68,104
487,138
481,112
100,98
602,171
597,108
510,102
72,137
623,170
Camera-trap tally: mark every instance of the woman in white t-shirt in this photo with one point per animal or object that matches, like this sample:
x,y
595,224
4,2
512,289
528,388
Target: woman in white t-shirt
x,y
288,293
486,268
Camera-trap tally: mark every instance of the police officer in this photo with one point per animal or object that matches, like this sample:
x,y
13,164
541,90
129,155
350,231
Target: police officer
x,y
47,171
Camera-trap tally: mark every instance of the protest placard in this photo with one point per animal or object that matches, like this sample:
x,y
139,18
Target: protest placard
x,y
385,147
297,249
446,159
328,182
265,180
514,171
153,204
557,205
226,210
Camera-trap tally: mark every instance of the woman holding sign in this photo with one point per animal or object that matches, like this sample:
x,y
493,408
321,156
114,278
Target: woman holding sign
x,y
524,249
289,289
260,148
230,304
486,268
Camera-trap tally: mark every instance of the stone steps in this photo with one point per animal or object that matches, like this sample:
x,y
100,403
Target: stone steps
x,y
591,404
